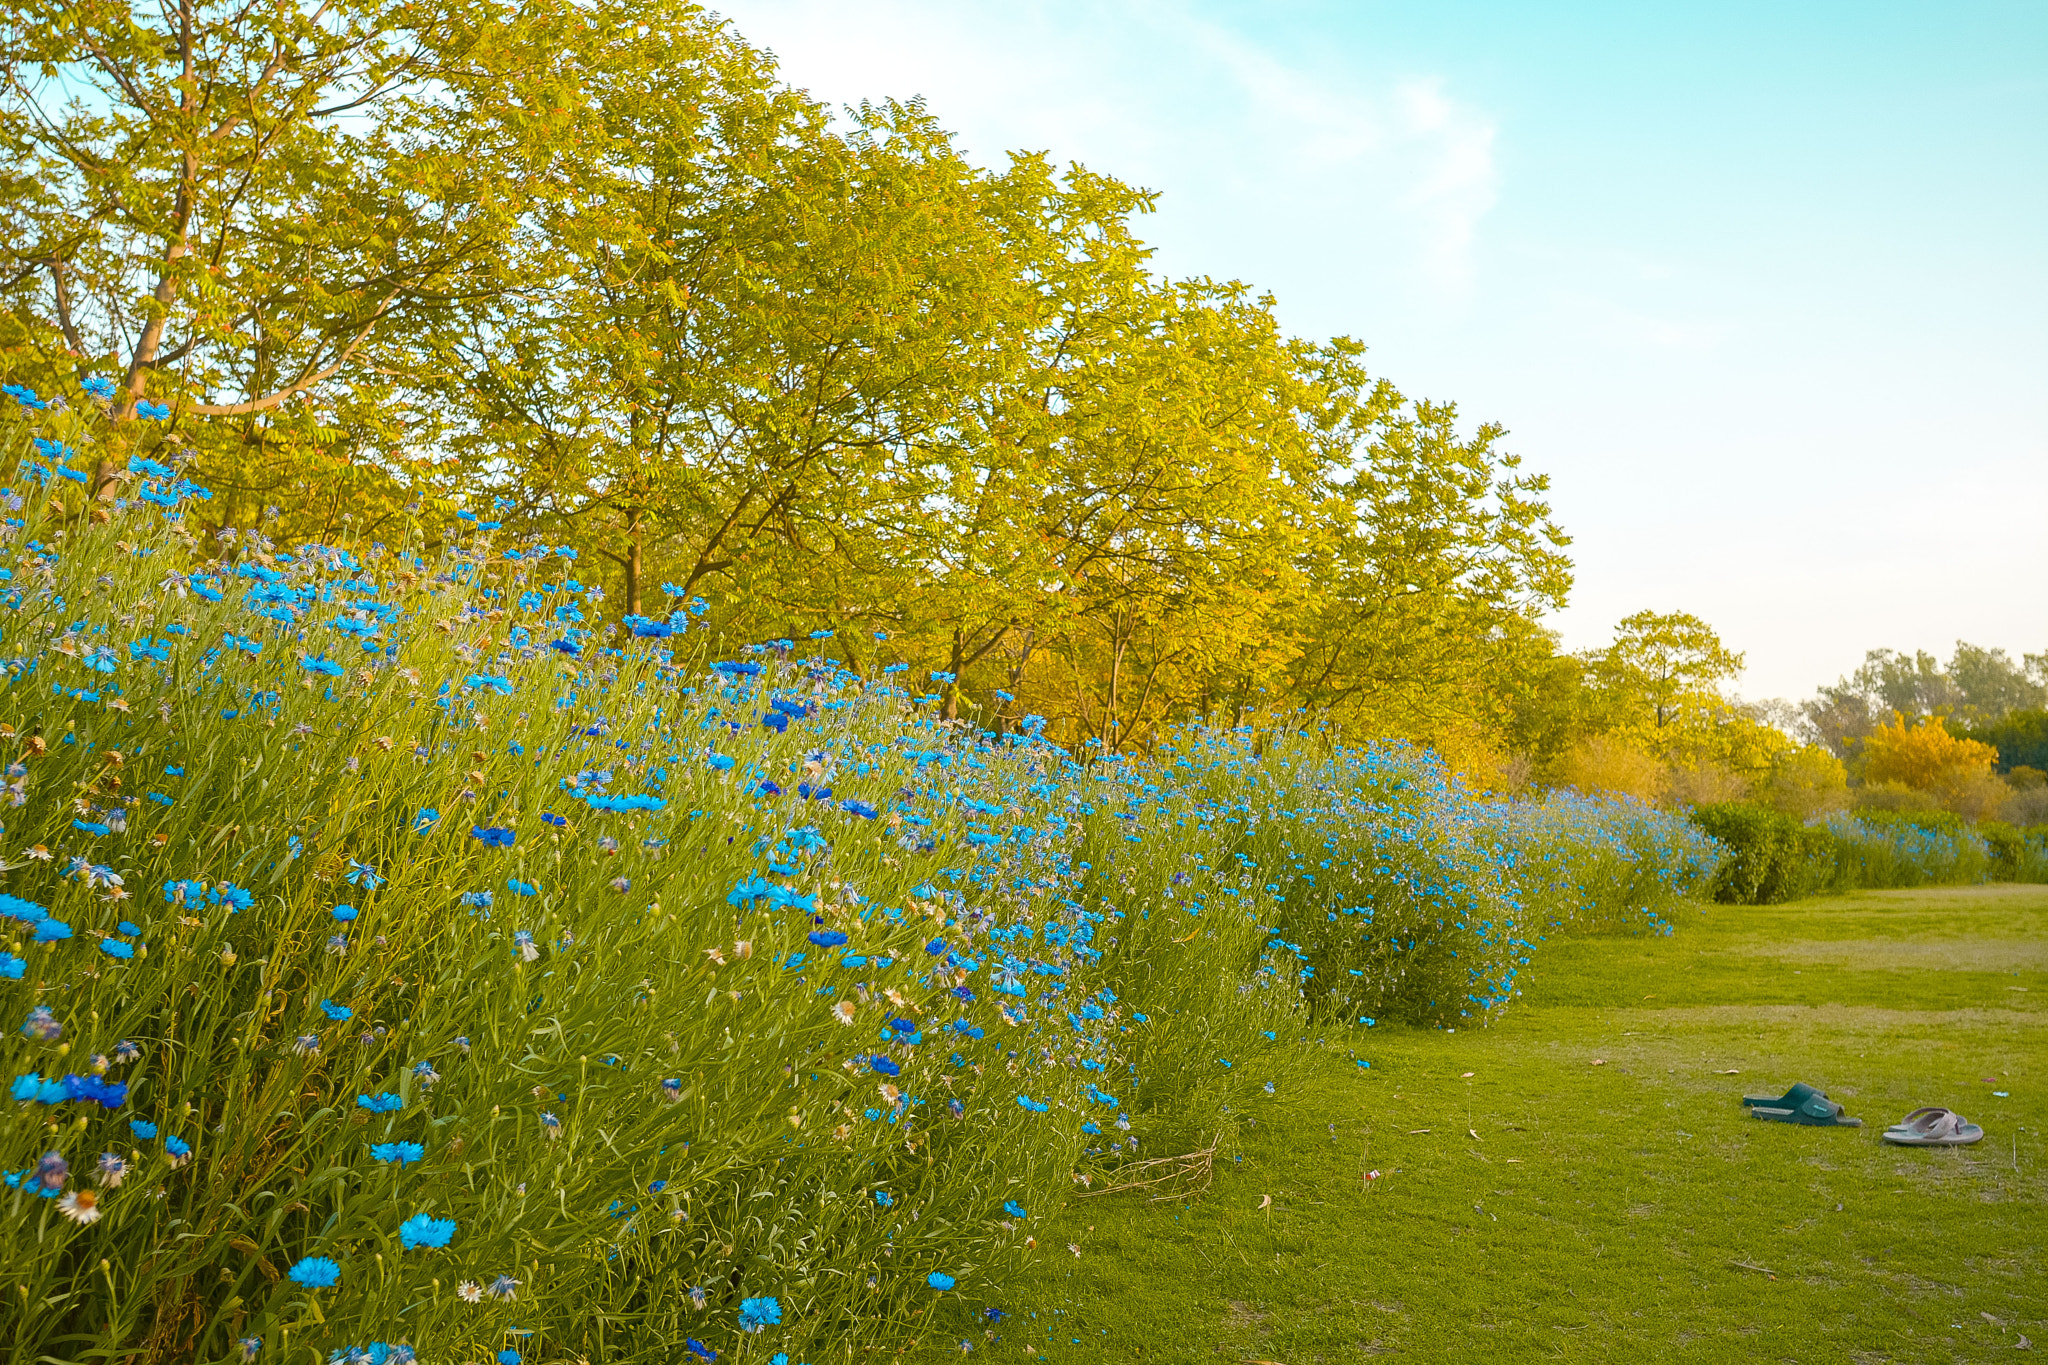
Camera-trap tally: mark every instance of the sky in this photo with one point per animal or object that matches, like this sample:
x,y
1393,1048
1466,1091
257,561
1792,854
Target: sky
x,y
1762,287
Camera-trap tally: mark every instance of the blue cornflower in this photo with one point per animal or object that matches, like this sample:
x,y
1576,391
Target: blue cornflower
x,y
116,948
179,1149
424,821
940,1281
338,1013
758,1313
884,1065
315,1272
519,888
477,900
344,913
1014,1209
699,1349
142,1129
827,938
399,1154
363,875
493,836
885,1199
420,1230
12,967
508,1356
129,929
382,1103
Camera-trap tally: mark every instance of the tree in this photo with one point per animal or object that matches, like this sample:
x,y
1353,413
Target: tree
x,y
1438,558
1661,679
768,352
1992,685
1923,756
2020,737
253,212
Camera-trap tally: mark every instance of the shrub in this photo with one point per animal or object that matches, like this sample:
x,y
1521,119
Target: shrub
x,y
1924,756
1893,796
1770,856
2017,855
1607,765
418,957
1587,865
1703,782
2020,737
1806,783
2026,807
1882,849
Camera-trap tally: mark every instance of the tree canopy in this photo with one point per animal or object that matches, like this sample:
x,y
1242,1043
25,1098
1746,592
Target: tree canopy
x,y
594,276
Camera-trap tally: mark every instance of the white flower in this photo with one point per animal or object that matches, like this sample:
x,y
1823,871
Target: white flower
x,y
80,1206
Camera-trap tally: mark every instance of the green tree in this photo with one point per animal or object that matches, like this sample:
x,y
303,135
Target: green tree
x,y
1438,556
1992,685
255,212
1661,680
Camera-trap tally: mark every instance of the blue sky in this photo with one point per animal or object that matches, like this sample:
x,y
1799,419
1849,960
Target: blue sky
x,y
1764,288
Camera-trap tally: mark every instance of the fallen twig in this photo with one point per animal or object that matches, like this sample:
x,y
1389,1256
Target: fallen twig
x,y
1187,1174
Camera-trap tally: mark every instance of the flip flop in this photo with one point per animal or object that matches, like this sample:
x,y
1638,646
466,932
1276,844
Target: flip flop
x,y
1801,1104
1933,1128
1913,1118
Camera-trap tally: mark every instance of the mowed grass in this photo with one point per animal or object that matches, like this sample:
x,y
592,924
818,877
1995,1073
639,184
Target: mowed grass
x,y
1581,1182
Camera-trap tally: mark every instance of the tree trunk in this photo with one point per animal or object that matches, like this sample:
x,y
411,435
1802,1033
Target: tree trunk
x,y
632,565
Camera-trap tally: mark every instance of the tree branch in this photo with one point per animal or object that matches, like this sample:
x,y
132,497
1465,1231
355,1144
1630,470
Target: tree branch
x,y
298,386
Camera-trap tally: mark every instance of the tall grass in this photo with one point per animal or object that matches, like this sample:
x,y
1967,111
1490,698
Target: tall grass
x,y
1874,850
393,919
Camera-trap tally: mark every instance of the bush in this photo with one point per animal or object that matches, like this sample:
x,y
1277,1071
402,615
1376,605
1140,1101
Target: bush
x,y
1806,783
1770,856
2020,737
1586,865
2028,804
416,957
2017,855
1880,849
1893,796
1609,765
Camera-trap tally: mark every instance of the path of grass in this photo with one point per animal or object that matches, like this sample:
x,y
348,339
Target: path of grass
x,y
1534,1203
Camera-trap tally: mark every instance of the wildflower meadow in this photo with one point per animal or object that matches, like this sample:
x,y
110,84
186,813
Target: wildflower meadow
x,y
408,960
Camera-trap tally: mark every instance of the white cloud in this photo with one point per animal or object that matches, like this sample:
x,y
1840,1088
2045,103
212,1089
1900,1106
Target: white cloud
x,y
1385,178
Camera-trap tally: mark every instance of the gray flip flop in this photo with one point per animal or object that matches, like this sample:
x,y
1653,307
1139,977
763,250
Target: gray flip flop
x,y
1933,1128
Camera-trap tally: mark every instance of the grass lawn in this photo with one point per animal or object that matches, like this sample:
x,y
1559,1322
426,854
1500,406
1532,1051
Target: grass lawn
x,y
1581,1183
